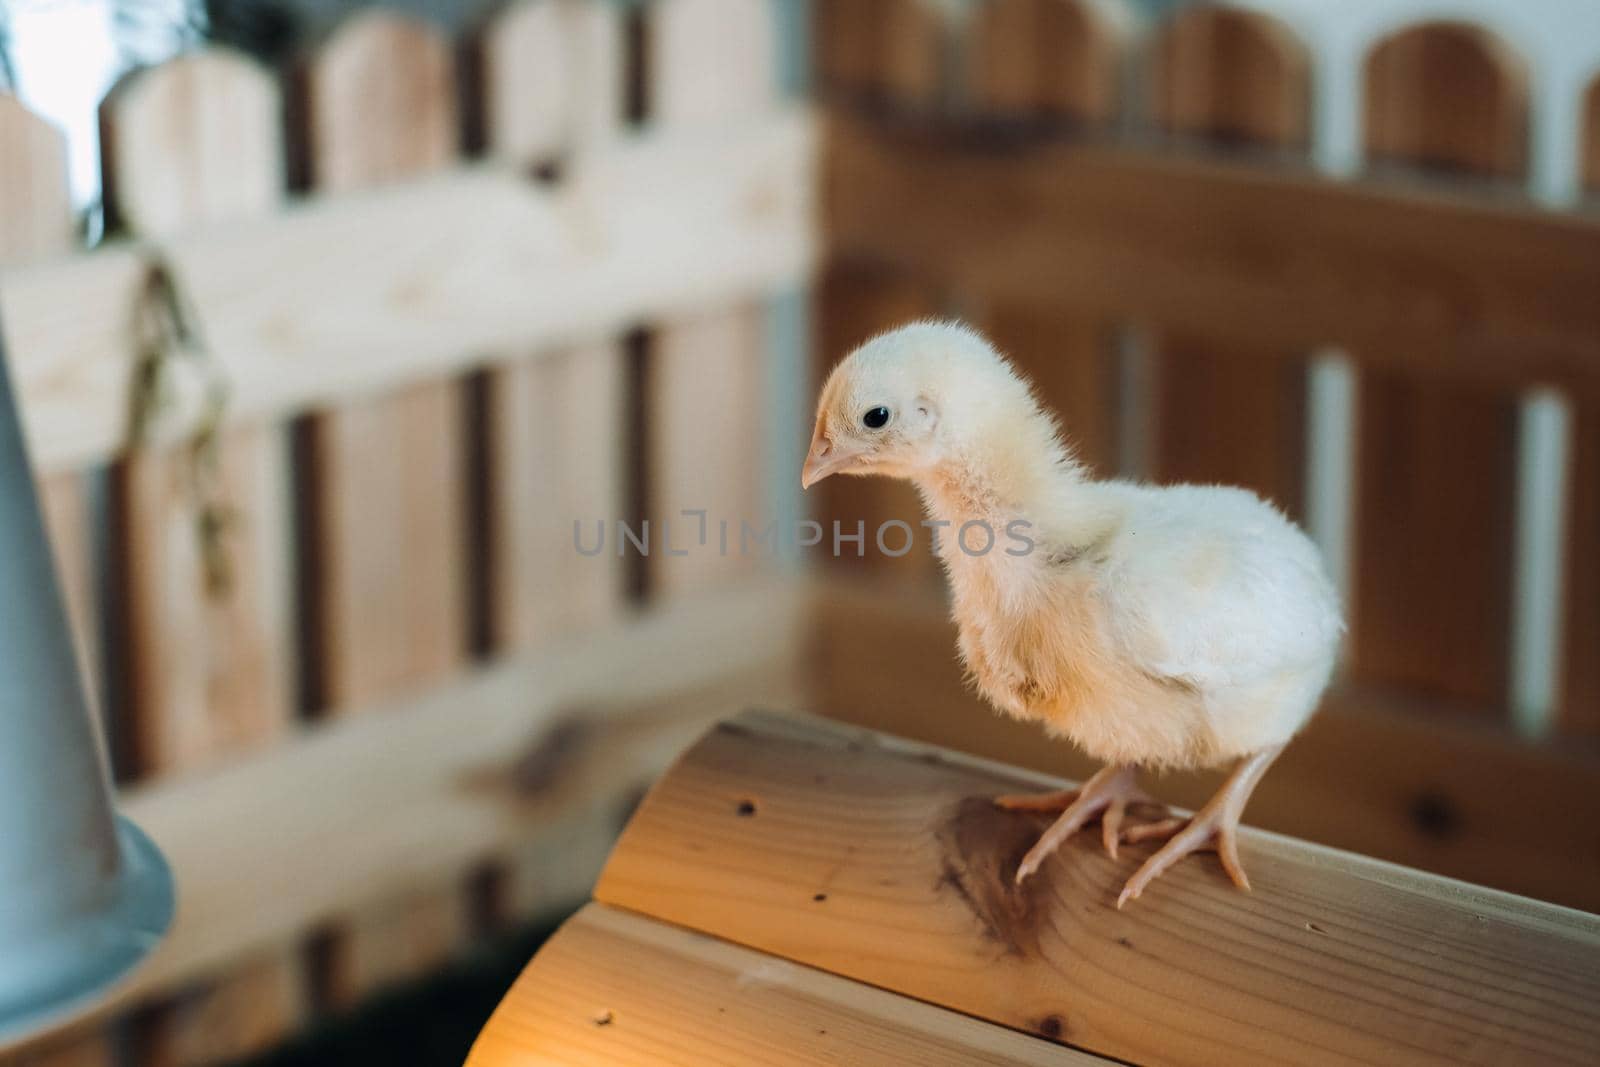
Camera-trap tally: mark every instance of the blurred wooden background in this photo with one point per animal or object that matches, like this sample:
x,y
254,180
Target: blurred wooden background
x,y
359,682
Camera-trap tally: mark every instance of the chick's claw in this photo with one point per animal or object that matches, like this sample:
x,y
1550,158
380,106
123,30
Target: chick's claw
x,y
1107,796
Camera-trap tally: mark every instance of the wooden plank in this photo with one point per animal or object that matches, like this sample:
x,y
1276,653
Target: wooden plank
x,y
708,62
1436,465
1396,779
889,52
1447,281
617,988
389,519
1223,414
1059,61
369,807
199,140
546,79
36,222
1579,699
1333,956
354,294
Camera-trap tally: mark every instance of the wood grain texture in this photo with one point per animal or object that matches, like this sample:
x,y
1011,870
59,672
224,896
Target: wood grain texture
x,y
884,53
1060,61
616,988
388,473
1578,710
708,63
1448,283
1332,957
1222,412
367,808
1435,482
1398,780
36,222
197,141
365,292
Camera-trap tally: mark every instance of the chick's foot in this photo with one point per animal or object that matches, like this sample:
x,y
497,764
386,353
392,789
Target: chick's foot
x,y
1107,796
1213,827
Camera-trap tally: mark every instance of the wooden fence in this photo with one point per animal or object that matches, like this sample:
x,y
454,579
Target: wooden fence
x,y
457,293
313,429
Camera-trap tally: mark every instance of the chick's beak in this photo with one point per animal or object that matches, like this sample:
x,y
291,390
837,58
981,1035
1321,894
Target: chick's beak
x,y
825,459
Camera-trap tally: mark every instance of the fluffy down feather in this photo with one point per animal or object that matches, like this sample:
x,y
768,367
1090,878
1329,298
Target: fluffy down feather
x,y
1168,626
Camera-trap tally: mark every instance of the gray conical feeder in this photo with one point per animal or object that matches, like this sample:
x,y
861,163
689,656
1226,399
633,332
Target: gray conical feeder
x,y
84,895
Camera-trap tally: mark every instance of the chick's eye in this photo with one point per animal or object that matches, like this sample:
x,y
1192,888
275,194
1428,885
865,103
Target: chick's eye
x,y
875,418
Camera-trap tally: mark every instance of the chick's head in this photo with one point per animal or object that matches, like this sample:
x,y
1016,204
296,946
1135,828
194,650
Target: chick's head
x,y
903,402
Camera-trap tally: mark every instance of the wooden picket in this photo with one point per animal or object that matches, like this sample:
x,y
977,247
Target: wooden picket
x,y
1223,412
1579,699
199,140
704,374
1436,461
388,524
889,52
547,81
1061,61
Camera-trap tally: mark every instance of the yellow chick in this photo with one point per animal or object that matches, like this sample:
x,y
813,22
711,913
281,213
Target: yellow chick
x,y
1161,627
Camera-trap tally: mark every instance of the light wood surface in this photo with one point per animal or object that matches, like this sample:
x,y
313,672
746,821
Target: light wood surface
x,y
359,293
1436,464
349,814
1221,412
199,140
1374,773
708,63
886,862
1061,62
1579,696
616,988
1259,255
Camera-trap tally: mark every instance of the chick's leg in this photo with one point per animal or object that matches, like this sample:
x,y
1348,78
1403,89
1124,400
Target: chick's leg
x,y
1214,826
1107,796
